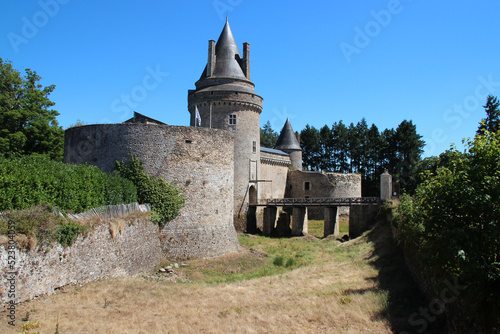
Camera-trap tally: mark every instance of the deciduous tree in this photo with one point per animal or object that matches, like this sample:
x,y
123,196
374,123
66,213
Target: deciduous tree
x,y
27,124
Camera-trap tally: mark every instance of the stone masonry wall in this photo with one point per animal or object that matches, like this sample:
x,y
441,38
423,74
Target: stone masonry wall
x,y
273,174
117,247
198,160
335,185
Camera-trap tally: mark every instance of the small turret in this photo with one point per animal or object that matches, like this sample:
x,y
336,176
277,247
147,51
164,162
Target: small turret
x,y
288,143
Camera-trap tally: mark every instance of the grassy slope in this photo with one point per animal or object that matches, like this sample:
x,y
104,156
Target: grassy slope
x,y
359,286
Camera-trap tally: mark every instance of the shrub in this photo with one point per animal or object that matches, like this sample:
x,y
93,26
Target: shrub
x,y
278,261
166,200
32,180
68,232
452,222
38,221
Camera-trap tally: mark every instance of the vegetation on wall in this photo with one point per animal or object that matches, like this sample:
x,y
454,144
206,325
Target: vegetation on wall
x,y
32,180
39,225
27,124
166,200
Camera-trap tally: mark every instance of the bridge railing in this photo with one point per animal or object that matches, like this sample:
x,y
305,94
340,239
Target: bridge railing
x,y
348,201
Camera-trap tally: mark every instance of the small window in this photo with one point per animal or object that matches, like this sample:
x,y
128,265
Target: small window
x,y
290,187
188,141
254,147
232,119
307,185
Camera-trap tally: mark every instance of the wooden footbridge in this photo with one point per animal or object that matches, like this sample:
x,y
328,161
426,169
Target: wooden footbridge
x,y
314,202
362,211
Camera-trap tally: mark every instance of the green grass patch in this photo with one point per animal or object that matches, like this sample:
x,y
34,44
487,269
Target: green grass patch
x,y
316,228
283,255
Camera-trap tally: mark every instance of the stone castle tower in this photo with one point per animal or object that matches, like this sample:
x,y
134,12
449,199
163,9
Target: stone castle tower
x,y
225,99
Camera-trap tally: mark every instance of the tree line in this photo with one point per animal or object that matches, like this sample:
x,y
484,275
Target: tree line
x,y
359,148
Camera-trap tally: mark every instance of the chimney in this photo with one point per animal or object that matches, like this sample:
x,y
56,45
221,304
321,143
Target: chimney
x,y
246,60
211,58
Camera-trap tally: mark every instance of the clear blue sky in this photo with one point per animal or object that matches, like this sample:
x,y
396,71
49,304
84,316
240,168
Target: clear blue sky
x,y
433,62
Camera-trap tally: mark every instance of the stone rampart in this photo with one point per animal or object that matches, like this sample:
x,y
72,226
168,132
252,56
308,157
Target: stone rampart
x,y
198,160
117,247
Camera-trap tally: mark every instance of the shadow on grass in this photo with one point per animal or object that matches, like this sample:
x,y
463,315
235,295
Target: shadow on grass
x,y
407,308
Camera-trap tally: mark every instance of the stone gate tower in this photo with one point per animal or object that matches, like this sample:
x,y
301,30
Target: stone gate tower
x,y
225,99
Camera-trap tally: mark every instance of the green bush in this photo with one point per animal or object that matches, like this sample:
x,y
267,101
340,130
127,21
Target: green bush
x,y
279,261
68,232
32,180
166,200
452,222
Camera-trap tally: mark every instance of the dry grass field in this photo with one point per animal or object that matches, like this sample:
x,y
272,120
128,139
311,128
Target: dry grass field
x,y
273,285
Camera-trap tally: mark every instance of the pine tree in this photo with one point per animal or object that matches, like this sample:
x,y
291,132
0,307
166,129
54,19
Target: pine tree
x,y
409,145
326,149
268,136
309,140
340,153
492,121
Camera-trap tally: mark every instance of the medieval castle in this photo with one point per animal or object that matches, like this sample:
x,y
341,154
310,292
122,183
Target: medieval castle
x,y
217,161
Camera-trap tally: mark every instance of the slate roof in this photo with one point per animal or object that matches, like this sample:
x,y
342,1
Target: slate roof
x,y
287,139
273,151
227,56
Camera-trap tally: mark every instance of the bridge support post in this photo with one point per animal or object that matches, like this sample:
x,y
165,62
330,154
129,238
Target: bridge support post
x,y
361,219
299,221
270,215
331,221
252,219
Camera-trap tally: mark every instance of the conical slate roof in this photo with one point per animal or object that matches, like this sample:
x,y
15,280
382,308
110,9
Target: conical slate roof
x,y
227,56
287,139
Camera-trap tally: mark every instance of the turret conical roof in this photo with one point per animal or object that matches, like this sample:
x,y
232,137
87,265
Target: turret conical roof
x,y
227,56
287,139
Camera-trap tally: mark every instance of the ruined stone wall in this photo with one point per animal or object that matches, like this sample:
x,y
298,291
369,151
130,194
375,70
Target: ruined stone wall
x,y
117,247
303,184
198,160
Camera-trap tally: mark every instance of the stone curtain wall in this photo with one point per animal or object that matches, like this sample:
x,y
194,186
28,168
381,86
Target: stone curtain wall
x,y
322,185
117,247
273,173
198,160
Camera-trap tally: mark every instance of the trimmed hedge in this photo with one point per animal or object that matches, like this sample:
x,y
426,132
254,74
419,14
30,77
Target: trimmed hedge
x,y
31,180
